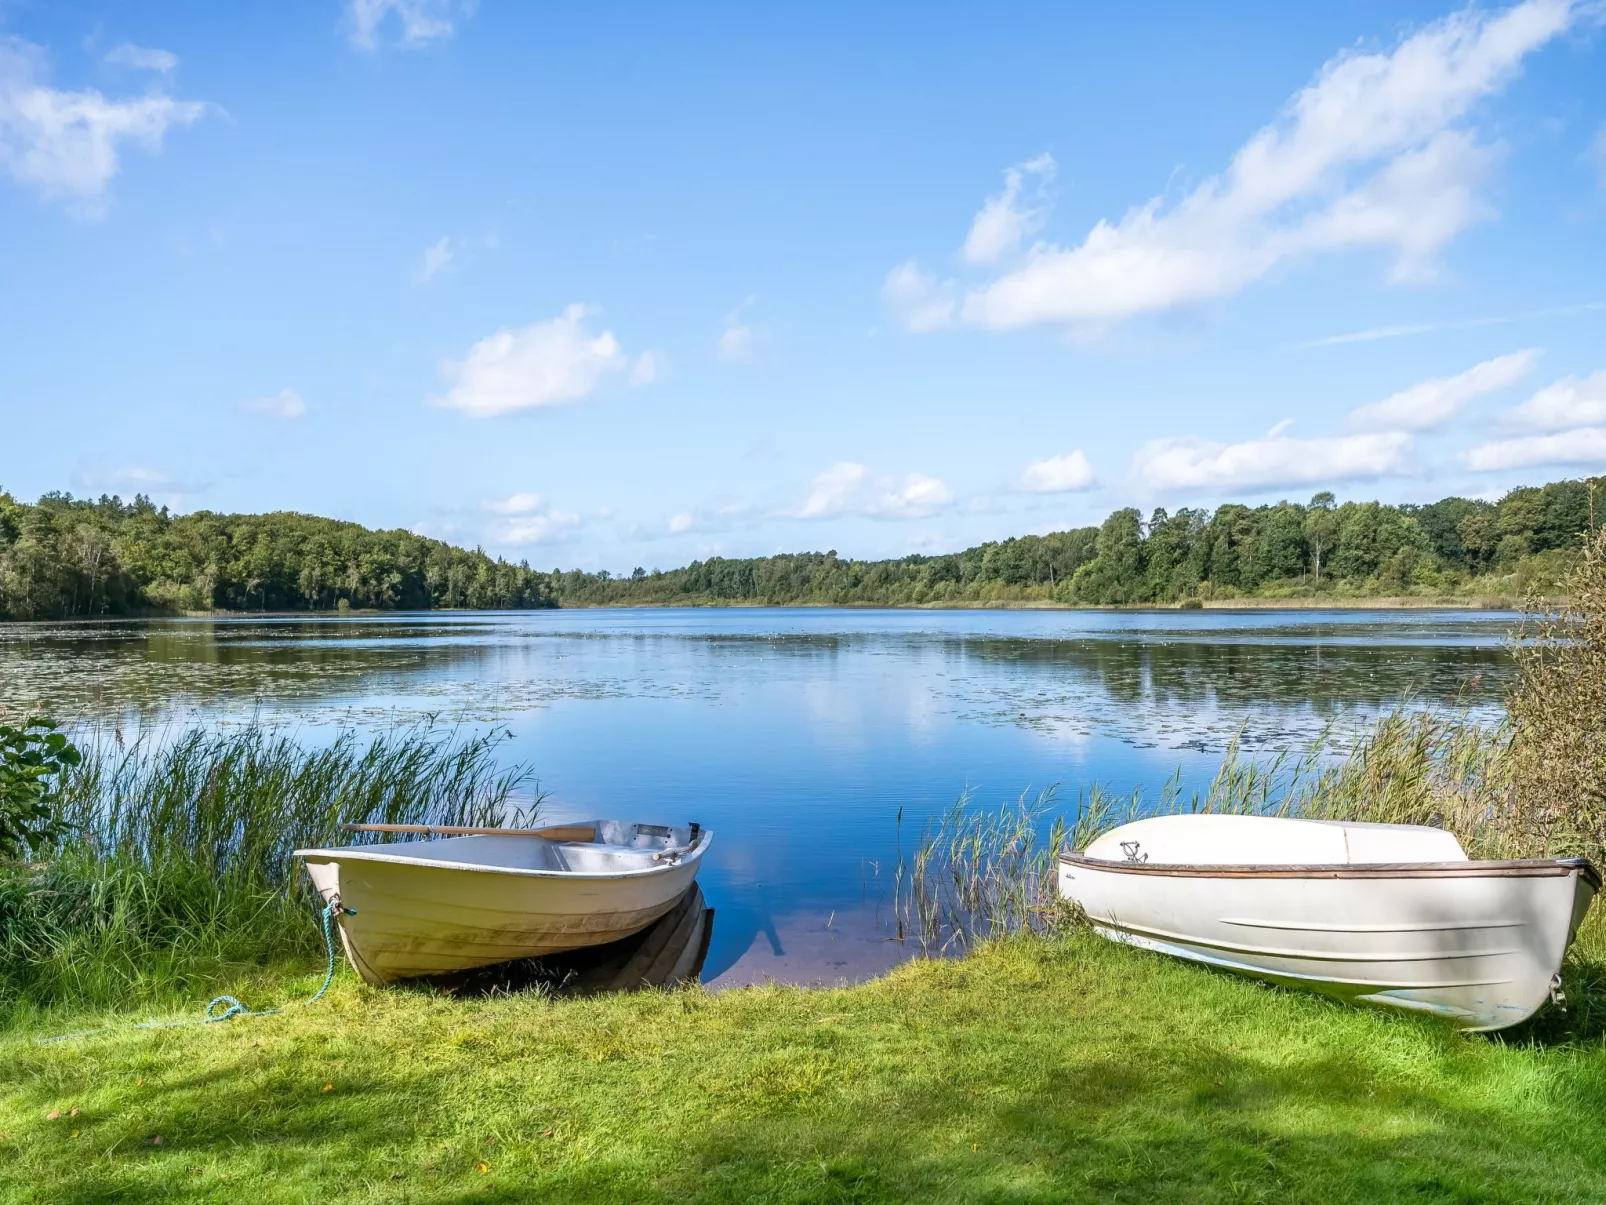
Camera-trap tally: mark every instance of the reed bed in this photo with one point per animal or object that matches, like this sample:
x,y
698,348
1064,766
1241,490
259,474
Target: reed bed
x,y
980,874
1531,785
177,871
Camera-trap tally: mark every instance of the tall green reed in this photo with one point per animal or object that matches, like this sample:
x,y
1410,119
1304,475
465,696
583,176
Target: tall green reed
x,y
977,874
178,870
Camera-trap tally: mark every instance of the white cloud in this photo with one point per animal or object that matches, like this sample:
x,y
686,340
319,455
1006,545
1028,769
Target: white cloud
x,y
142,58
544,364
1586,445
435,260
421,21
66,143
1365,156
1276,460
1569,402
1004,221
1432,402
681,523
923,302
1058,474
527,519
513,504
285,404
847,488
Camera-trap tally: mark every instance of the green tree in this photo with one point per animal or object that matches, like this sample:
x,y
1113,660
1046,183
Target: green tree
x,y
1321,529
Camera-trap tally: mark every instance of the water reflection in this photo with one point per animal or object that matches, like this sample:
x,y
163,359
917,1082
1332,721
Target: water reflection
x,y
797,735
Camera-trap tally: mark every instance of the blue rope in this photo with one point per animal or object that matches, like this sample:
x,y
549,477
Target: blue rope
x,y
231,1007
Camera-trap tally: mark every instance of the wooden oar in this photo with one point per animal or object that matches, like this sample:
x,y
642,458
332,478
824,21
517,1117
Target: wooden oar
x,y
556,832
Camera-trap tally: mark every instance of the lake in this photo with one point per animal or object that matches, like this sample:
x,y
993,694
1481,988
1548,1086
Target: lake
x,y
797,735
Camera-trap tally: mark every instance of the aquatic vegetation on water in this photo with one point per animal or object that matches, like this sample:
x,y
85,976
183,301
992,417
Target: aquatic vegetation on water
x,y
177,866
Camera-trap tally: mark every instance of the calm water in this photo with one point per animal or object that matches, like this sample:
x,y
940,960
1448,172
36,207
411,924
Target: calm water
x,y
797,735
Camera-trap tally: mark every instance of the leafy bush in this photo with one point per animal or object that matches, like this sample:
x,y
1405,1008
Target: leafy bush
x,y
34,762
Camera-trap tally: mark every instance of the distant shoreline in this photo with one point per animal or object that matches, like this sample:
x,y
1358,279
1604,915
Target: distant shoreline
x,y
1389,603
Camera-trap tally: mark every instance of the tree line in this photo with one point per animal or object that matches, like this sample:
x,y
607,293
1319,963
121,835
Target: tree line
x,y
67,557
64,557
1457,546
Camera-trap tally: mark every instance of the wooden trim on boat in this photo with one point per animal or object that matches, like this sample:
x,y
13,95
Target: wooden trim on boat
x,y
1521,868
557,832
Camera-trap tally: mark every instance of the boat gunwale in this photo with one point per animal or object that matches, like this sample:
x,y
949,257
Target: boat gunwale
x,y
1515,868
361,853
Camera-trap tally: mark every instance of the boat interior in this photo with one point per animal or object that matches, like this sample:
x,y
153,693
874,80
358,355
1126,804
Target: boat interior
x,y
1211,839
595,847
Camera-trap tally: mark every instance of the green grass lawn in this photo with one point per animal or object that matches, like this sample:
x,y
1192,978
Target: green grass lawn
x,y
1035,1070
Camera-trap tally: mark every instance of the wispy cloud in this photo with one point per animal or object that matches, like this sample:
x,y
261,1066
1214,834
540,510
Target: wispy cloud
x,y
1373,334
142,58
919,300
286,404
139,479
1423,328
1005,220
1433,402
1368,155
436,258
66,143
526,518
543,364
740,341
418,22
847,488
647,368
1191,463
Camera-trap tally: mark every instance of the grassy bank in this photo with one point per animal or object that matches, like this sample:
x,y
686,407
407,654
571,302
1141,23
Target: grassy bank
x,y
176,876
1037,1069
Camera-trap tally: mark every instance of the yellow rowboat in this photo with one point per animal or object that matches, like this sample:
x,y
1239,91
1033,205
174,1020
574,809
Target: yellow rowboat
x,y
484,896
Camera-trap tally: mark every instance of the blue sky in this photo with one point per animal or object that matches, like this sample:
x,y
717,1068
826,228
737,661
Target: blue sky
x,y
627,285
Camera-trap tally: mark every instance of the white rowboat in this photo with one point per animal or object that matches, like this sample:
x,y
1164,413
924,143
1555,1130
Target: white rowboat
x,y
1379,914
414,908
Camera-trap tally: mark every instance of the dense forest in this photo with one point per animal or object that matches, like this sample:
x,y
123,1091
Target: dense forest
x,y
1455,547
65,557
72,557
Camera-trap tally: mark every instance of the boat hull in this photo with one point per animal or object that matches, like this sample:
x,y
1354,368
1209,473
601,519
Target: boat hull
x,y
1477,943
404,918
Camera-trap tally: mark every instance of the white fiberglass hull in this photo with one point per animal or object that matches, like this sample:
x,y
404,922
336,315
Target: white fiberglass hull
x,y
420,908
1478,943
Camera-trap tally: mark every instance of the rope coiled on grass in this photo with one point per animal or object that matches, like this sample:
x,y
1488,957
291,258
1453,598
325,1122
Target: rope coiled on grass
x,y
231,1007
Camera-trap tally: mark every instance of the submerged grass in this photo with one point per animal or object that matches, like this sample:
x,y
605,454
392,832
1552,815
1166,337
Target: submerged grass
x,y
178,871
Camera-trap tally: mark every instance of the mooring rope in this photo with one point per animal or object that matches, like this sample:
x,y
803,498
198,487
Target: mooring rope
x,y
231,1007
